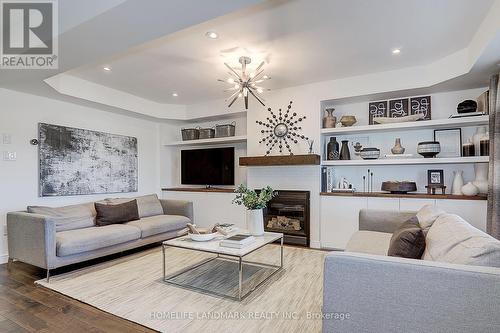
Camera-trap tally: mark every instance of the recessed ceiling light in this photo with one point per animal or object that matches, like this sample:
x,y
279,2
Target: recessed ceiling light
x,y
175,94
396,51
212,34
107,69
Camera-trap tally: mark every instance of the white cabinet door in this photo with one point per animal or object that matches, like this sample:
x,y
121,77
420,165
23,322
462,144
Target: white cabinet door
x,y
472,211
339,220
414,205
391,204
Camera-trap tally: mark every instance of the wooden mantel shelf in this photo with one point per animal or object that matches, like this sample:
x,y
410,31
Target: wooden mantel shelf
x,y
309,159
407,196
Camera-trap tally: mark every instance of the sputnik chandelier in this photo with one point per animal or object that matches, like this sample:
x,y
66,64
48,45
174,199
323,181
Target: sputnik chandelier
x,y
245,83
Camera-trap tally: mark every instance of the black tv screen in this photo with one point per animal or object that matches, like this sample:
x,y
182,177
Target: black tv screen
x,y
207,166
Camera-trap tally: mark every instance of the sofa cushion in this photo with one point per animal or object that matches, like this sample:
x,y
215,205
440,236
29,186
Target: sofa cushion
x,y
68,217
158,224
427,215
408,241
371,242
148,205
89,239
453,240
119,213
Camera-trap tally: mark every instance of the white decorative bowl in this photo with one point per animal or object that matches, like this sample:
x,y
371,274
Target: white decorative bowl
x,y
203,236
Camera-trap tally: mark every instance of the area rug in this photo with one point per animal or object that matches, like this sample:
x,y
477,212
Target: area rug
x,y
131,287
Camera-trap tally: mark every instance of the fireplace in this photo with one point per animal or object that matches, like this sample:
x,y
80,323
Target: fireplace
x,y
288,213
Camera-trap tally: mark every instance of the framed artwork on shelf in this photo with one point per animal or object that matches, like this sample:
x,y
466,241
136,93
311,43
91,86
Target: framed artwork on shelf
x,y
398,108
421,105
450,141
376,109
435,177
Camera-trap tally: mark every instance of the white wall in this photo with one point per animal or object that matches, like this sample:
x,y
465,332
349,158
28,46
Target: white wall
x,y
19,117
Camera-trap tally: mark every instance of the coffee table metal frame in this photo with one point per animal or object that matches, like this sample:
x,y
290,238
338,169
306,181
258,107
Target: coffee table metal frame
x,y
236,258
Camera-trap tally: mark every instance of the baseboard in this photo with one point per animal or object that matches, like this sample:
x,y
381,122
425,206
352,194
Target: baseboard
x,y
330,246
4,258
315,245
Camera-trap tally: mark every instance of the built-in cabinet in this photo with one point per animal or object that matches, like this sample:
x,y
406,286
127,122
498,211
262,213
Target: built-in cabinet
x,y
339,215
339,211
339,220
211,207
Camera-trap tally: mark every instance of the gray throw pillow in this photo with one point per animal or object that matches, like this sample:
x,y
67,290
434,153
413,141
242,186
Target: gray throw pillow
x,y
408,241
118,213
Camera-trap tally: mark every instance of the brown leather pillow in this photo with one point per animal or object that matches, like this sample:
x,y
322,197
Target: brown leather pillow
x,y
116,213
408,241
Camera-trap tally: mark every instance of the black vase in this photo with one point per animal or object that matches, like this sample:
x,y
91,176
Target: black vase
x,y
332,149
344,151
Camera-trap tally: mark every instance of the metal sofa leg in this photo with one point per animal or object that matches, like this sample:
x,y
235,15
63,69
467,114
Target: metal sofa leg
x,y
9,263
48,275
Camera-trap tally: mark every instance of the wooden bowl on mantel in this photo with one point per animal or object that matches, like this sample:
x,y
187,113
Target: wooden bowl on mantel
x,y
399,187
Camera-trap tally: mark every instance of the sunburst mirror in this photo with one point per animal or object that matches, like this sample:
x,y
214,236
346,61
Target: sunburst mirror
x,y
281,130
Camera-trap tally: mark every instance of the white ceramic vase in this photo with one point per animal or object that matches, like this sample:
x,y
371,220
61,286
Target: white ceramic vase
x,y
255,222
476,138
470,189
458,183
481,180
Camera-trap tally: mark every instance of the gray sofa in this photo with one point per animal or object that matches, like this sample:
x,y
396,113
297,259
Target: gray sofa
x,y
56,237
454,289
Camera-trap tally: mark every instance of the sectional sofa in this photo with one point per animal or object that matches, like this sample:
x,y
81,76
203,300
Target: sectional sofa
x,y
50,237
455,287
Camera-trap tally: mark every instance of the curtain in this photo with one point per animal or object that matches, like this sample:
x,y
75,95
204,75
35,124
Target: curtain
x,y
493,222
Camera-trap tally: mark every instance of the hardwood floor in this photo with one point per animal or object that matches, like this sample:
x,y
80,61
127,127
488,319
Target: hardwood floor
x,y
25,307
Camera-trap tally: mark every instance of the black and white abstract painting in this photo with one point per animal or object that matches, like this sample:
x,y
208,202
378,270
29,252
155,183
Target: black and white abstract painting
x,y
76,161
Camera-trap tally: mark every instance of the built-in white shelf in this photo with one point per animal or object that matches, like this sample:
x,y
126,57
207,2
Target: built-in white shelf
x,y
409,161
207,142
412,125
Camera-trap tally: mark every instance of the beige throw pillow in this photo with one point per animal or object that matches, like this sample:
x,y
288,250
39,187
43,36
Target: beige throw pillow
x,y
451,239
427,215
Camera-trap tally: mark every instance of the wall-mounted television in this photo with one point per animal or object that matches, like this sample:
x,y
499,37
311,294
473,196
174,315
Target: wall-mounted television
x,y
213,166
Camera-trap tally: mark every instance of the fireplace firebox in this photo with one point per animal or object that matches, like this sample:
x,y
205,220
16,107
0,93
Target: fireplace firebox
x,y
288,213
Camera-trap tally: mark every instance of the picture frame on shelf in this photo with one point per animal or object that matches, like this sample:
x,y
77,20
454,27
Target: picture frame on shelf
x,y
375,110
435,177
435,181
450,141
398,108
421,105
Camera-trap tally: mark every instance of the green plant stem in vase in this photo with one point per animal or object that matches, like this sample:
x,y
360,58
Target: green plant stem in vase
x,y
254,203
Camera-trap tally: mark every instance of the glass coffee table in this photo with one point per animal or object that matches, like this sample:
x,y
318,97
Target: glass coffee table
x,y
225,273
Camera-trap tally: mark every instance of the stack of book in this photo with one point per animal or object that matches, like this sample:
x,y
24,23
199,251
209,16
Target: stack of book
x,y
238,241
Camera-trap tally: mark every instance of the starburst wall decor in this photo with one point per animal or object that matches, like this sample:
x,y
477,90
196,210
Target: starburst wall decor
x,y
282,130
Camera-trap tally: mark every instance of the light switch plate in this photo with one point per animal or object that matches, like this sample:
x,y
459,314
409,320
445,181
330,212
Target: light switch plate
x,y
6,139
9,155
